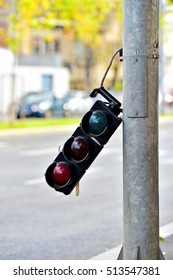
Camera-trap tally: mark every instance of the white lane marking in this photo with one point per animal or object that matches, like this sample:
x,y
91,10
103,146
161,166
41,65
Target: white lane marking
x,y
3,145
164,157
39,152
168,161
41,180
107,151
92,169
34,181
163,152
46,151
166,230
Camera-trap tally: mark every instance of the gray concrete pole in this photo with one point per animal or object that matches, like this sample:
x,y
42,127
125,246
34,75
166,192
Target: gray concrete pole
x,y
140,130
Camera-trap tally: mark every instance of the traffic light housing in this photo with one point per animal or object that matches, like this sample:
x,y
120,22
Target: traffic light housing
x,y
87,141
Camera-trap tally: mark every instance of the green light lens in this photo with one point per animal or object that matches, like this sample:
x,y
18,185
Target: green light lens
x,y
97,123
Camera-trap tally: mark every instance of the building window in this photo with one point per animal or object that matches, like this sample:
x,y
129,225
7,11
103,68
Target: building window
x,y
47,82
42,46
56,45
35,44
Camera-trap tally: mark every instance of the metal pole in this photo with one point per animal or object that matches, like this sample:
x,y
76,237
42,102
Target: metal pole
x,y
140,130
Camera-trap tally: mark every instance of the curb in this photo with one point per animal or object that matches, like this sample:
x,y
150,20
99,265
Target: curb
x,y
166,231
36,130
52,129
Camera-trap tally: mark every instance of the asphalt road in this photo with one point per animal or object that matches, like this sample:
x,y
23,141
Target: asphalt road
x,y
39,223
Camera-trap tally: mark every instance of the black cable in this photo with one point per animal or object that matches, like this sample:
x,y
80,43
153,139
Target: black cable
x,y
104,77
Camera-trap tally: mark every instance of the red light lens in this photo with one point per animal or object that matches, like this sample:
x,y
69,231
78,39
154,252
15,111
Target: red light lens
x,y
79,148
61,174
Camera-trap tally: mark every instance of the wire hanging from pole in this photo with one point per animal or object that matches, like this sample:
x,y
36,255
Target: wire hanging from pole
x,y
109,66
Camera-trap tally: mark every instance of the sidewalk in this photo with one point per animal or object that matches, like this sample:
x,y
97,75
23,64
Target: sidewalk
x,y
36,130
166,246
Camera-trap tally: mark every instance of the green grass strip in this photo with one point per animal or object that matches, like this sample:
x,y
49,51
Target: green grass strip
x,y
42,122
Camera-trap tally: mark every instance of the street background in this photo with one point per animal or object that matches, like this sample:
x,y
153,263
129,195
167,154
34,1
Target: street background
x,y
40,223
53,54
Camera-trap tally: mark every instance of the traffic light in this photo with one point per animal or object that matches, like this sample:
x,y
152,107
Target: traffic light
x,y
87,141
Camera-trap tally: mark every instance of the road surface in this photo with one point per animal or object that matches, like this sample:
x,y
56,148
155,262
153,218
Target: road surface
x,y
39,223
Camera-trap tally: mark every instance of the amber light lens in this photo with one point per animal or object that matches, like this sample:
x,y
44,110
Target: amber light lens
x,y
79,148
61,174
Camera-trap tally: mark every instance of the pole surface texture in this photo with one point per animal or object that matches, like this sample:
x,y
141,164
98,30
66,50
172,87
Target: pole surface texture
x,y
140,130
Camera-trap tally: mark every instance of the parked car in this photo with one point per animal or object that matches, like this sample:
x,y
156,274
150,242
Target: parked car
x,y
169,98
58,108
78,103
39,104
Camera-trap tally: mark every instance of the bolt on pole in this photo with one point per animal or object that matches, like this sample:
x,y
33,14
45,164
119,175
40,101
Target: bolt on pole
x,y
140,130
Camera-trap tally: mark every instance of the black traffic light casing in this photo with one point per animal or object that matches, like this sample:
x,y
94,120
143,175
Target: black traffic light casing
x,y
76,175
112,122
77,167
93,150
84,145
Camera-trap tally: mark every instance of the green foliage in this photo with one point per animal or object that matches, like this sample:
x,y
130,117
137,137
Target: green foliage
x,y
118,86
42,122
83,19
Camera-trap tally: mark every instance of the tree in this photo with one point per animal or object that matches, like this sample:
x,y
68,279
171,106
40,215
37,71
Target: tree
x,y
82,19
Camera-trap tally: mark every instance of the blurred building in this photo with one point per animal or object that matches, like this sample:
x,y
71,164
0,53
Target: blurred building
x,y
54,60
37,66
57,48
167,49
